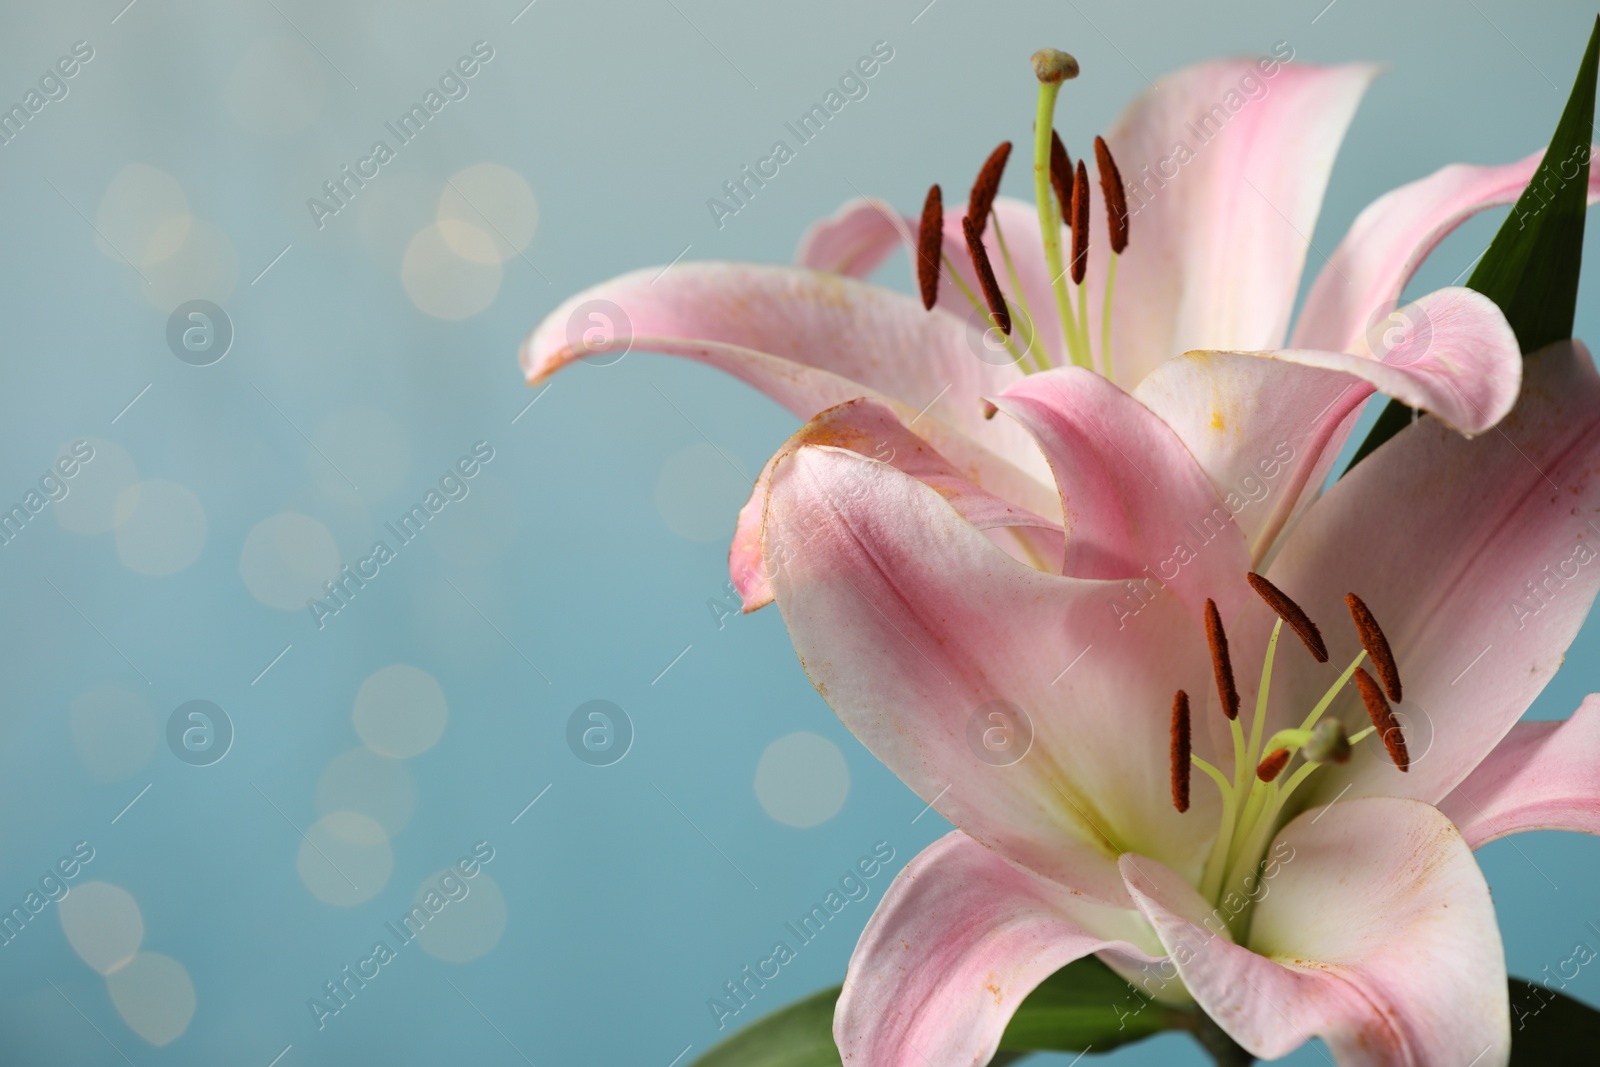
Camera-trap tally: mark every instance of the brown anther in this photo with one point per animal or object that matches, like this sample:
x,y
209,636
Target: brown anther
x,y
1080,224
987,186
1272,764
1220,663
1052,66
930,245
1061,177
1394,739
1290,613
986,279
1180,751
1116,198
1377,646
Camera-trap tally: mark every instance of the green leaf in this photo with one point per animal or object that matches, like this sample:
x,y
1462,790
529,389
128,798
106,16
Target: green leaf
x,y
1549,1027
1084,1004
1531,267
800,1035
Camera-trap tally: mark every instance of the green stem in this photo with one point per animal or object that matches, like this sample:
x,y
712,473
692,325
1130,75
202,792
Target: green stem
x,y
1222,1048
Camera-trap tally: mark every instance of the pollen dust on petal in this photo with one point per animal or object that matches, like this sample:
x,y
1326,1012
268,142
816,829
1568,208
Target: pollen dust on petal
x,y
1217,421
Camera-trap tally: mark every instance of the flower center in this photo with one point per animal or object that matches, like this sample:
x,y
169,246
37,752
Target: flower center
x,y
1254,797
1061,195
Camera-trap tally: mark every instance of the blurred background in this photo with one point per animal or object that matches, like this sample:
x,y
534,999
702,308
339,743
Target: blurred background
x,y
238,796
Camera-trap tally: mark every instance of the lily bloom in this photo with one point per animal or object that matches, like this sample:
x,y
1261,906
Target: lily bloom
x,y
1215,178
1353,710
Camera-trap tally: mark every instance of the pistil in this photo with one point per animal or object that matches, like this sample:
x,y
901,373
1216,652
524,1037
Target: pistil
x,y
1052,67
1062,202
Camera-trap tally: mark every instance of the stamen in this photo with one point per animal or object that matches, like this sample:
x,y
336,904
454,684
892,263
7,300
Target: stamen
x,y
987,186
1328,743
1383,720
1116,199
930,239
991,288
1221,665
1290,613
1180,751
1080,224
1061,176
1273,765
1377,646
1040,360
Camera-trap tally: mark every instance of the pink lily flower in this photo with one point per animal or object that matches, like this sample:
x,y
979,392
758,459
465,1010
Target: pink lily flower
x,y
1286,893
1052,578
1223,170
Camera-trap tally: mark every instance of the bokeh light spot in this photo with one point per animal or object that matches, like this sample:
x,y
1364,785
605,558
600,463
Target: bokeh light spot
x,y
441,282
802,780
400,711
160,527
699,493
286,558
465,928
361,780
155,997
102,923
345,858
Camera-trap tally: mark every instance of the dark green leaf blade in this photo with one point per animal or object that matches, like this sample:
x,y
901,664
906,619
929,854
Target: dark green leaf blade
x,y
799,1035
1084,1004
1550,1027
1531,267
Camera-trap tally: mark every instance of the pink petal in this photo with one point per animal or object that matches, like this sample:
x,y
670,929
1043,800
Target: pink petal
x,y
856,239
1136,504
1543,776
1390,239
959,939
917,630
1266,426
1374,931
1477,557
1218,241
808,340
871,429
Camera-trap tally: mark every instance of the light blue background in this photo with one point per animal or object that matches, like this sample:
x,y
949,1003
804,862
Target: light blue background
x,y
623,919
